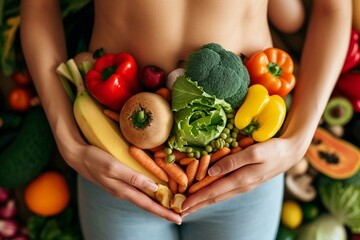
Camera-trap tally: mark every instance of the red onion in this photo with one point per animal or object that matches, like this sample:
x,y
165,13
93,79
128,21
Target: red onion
x,y
8,211
8,228
4,195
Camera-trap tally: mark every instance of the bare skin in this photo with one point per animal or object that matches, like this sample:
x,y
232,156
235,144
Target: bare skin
x,y
163,38
162,33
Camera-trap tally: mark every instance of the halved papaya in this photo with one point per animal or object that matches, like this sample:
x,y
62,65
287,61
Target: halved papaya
x,y
333,156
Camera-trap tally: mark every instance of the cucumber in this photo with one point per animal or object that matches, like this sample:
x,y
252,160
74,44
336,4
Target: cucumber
x,y
6,138
9,121
29,152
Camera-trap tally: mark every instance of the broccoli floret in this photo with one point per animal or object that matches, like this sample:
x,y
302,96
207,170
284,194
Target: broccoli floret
x,y
219,72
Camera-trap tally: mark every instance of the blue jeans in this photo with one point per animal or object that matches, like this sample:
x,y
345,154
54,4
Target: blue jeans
x,y
250,216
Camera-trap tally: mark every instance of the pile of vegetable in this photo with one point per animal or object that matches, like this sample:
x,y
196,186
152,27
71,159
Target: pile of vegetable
x,y
177,125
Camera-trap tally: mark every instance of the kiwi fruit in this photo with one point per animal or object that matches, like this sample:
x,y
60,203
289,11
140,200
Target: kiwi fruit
x,y
338,111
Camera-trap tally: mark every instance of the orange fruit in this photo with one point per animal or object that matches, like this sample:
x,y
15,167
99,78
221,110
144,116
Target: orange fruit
x,y
48,194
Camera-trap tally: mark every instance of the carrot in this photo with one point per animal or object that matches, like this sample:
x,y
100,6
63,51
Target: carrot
x,y
173,170
203,183
158,148
112,115
182,188
145,160
179,155
235,150
160,154
219,154
165,93
173,185
245,142
203,167
191,171
187,160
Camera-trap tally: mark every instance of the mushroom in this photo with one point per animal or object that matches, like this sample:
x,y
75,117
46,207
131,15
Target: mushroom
x,y
301,187
299,168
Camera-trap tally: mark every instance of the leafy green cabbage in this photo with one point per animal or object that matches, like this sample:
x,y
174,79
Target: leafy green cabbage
x,y
199,117
325,227
342,199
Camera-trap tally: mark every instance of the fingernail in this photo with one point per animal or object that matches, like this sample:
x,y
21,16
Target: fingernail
x,y
214,171
151,186
184,215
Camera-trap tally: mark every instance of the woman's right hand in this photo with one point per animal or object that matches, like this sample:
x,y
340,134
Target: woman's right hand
x,y
121,181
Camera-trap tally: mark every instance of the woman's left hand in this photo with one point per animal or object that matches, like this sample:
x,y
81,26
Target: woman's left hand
x,y
246,170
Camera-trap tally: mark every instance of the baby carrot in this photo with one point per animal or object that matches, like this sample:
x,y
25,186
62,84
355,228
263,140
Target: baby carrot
x,y
165,93
145,160
245,142
173,185
160,154
191,171
219,154
112,114
173,170
179,155
158,148
203,167
187,160
203,183
235,150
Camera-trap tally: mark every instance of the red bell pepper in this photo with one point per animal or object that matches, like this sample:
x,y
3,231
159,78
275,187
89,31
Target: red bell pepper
x,y
113,80
353,55
348,85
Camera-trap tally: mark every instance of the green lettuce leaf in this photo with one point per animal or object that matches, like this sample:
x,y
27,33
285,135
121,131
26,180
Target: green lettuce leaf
x,y
341,199
199,117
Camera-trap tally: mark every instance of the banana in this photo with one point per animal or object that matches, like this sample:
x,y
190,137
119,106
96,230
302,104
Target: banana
x,y
97,128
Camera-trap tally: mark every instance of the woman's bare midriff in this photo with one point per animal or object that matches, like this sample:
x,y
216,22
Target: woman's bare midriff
x,y
163,33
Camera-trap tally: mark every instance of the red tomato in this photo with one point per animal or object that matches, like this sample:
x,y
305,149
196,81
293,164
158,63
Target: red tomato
x,y
22,78
19,99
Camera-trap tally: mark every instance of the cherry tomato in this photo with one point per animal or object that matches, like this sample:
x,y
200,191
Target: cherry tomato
x,y
22,78
19,99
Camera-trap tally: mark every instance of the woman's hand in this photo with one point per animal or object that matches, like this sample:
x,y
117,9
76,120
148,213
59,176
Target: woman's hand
x,y
122,182
246,170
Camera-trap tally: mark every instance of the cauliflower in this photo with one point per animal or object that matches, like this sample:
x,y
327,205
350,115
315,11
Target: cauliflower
x,y
219,72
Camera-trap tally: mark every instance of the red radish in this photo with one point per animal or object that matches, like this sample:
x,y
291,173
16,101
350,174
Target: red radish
x,y
4,195
153,78
8,211
8,228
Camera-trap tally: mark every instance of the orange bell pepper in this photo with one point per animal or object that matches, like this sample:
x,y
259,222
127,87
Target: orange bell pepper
x,y
273,68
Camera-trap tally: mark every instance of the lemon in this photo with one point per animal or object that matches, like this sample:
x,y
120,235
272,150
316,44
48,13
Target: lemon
x,y
291,215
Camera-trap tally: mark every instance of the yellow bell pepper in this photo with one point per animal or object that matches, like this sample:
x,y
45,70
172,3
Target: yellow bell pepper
x,y
260,116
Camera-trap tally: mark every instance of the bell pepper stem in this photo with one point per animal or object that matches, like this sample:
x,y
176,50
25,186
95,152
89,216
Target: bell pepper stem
x,y
252,127
275,69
